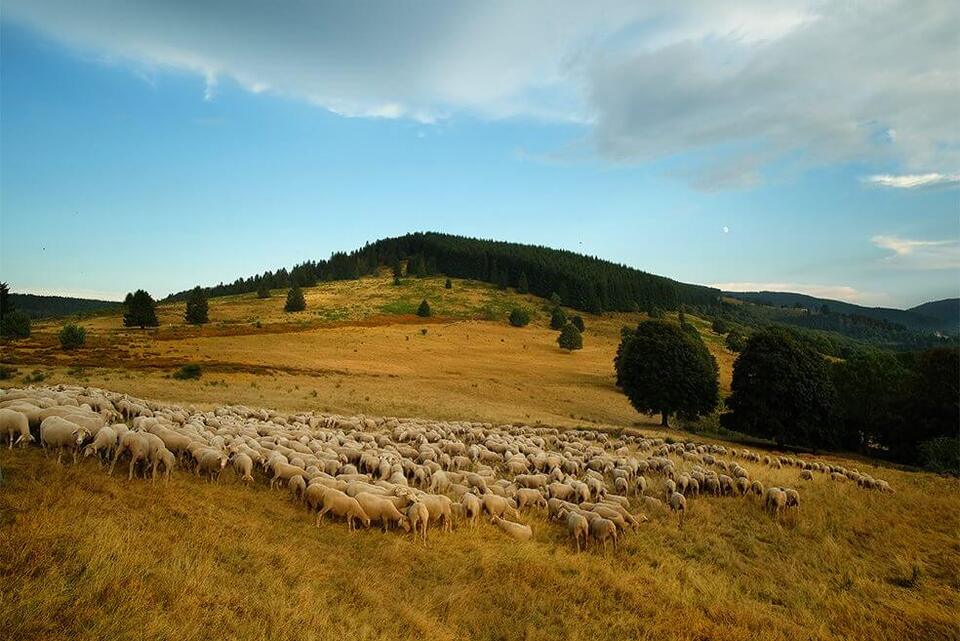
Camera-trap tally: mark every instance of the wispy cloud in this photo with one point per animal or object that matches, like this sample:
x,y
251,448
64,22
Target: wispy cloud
x,y
835,292
913,181
910,253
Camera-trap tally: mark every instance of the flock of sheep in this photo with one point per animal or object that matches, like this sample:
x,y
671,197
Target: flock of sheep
x,y
407,473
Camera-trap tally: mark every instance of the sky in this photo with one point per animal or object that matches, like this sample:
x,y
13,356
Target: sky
x,y
811,147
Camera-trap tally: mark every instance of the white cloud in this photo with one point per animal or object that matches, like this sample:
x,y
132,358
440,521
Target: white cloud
x,y
913,181
726,230
809,81
834,292
919,254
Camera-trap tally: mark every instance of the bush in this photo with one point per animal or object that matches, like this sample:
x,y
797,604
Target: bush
x,y
735,342
519,317
570,338
424,309
720,326
72,336
7,372
190,371
448,284
197,308
16,324
558,318
578,322
941,455
262,290
295,300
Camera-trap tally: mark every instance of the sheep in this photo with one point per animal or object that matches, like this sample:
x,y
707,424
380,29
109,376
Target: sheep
x,y
679,505
603,530
528,497
516,531
757,488
297,486
212,462
15,425
59,433
418,517
498,506
806,475
137,445
169,460
793,497
379,508
105,440
342,505
775,501
743,485
440,510
578,528
472,508
243,465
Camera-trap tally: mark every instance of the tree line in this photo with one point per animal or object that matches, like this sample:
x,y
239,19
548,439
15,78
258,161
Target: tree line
x,y
901,406
582,282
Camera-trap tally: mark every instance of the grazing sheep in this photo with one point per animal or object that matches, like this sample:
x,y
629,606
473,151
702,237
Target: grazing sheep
x,y
297,485
104,441
529,497
380,508
743,485
139,449
440,509
243,465
603,530
169,460
678,503
757,488
498,506
775,501
516,531
419,517
578,528
472,508
212,462
806,475
793,497
15,425
343,506
59,433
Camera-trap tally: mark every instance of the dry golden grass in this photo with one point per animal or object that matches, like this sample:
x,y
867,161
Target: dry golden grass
x,y
358,349
87,556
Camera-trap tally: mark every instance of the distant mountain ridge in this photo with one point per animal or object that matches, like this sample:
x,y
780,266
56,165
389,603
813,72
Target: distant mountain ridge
x,y
943,315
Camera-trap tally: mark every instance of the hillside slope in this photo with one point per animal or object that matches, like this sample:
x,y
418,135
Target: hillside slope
x,y
57,306
946,310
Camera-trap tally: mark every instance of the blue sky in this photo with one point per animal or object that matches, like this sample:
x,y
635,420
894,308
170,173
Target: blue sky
x,y
158,151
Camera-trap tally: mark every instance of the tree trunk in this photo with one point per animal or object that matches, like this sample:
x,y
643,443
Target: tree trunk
x,y
663,418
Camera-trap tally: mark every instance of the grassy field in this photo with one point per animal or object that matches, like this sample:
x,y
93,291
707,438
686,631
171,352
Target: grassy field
x,y
359,348
87,556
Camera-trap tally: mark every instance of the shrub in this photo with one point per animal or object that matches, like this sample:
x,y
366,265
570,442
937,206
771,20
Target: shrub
x,y
197,308
523,285
7,372
720,326
295,300
424,309
519,317
16,324
735,342
189,371
570,338
72,336
578,322
140,310
448,284
558,318
662,368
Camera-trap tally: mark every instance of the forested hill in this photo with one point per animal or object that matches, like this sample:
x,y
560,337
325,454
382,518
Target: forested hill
x,y
583,282
56,306
947,310
917,319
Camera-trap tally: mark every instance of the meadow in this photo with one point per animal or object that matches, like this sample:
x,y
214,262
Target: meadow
x,y
89,556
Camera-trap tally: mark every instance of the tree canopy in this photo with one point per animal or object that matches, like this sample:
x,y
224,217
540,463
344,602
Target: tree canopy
x,y
782,390
570,338
140,310
197,312
295,300
662,368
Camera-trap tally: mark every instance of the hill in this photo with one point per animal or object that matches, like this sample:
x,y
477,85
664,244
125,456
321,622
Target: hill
x,y
582,282
946,310
58,306
912,319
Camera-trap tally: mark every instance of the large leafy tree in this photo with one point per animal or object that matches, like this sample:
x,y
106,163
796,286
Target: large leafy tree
x,y
870,391
782,390
570,338
197,312
664,369
140,310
